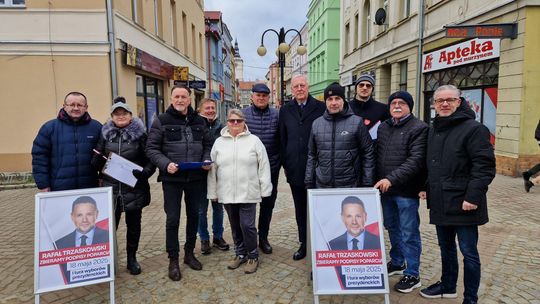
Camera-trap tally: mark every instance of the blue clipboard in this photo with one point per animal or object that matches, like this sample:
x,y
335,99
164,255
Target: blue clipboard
x,y
193,165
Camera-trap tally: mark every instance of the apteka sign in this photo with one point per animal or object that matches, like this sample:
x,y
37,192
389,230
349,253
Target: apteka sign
x,y
462,53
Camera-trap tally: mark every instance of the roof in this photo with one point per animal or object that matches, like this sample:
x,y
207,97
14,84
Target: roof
x,y
212,15
246,85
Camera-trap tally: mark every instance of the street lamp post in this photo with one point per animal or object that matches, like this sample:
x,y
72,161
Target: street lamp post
x,y
283,48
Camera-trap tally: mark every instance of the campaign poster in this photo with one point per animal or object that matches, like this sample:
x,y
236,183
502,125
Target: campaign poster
x,y
74,239
347,241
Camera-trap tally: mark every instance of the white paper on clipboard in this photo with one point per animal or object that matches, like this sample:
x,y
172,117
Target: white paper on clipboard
x,y
121,169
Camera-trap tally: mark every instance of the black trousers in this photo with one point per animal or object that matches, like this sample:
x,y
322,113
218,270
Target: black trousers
x,y
133,223
299,194
244,232
172,196
267,207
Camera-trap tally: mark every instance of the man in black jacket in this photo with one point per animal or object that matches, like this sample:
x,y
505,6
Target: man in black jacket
x,y
180,135
461,165
263,122
532,171
401,162
363,104
295,120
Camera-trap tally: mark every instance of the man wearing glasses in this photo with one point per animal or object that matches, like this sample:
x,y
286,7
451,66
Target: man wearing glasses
x,y
62,149
363,105
262,121
461,164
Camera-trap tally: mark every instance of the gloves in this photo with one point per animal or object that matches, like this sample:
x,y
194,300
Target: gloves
x,y
139,174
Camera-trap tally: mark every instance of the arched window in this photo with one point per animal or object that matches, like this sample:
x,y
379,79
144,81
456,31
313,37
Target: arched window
x,y
366,21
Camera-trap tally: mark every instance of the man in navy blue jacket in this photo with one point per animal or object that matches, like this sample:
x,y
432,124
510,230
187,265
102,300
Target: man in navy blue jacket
x,y
262,121
62,149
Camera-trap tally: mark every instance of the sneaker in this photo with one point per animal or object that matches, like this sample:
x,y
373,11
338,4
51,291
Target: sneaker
x,y
436,291
251,266
395,270
220,244
407,284
205,247
238,260
528,185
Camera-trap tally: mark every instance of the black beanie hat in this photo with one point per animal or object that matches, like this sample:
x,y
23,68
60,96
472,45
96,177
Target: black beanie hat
x,y
334,89
403,95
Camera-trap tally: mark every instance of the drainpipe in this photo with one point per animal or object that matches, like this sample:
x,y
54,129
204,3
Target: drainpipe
x,y
419,59
112,49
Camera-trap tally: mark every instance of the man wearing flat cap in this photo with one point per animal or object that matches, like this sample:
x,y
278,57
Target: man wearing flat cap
x,y
363,104
263,121
401,172
340,151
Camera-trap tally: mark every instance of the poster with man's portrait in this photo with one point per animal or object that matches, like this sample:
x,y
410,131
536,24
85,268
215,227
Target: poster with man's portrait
x,y
73,239
347,241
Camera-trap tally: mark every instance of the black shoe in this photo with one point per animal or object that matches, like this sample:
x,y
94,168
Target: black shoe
x,y
265,246
174,269
220,244
407,284
205,247
436,291
526,175
300,253
191,261
132,264
395,270
528,186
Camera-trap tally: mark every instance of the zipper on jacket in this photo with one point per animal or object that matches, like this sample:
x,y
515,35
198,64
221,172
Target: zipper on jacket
x,y
119,183
333,154
76,134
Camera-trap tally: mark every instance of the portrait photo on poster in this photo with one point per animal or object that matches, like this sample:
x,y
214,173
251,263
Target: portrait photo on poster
x,y
347,241
73,238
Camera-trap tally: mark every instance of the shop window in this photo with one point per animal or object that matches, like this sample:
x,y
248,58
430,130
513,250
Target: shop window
x,y
12,3
150,100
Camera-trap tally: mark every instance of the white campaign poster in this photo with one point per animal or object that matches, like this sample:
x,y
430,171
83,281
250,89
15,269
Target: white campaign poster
x,y
347,244
73,239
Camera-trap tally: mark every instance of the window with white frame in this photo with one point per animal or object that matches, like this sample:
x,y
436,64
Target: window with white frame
x,y
366,14
403,75
12,3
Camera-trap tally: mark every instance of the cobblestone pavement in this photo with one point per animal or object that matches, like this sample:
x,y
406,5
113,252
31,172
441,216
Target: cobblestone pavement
x,y
509,245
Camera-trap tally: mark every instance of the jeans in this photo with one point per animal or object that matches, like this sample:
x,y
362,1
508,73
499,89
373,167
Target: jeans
x,y
172,195
402,221
267,207
468,241
244,232
217,219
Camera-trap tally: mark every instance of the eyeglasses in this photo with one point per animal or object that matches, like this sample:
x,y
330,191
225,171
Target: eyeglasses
x,y
75,105
449,101
235,121
367,85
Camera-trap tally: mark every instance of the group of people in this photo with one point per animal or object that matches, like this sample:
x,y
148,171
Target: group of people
x,y
330,144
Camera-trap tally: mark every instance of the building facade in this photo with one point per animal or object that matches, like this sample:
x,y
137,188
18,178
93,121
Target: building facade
x,y
324,44
101,48
296,64
410,51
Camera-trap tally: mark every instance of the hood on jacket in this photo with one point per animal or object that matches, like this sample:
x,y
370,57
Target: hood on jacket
x,y
225,132
130,132
346,112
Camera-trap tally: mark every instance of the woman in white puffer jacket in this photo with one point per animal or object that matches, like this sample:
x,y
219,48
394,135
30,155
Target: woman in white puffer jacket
x,y
239,178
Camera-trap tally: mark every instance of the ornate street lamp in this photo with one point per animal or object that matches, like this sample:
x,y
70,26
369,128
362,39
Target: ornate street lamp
x,y
283,48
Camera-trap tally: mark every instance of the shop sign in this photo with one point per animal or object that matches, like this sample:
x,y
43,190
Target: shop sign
x,y
346,79
142,60
501,30
462,53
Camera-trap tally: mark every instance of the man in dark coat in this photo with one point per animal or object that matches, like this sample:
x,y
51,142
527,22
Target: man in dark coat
x,y
461,165
62,149
363,104
295,120
340,151
263,122
532,171
207,110
401,162
180,135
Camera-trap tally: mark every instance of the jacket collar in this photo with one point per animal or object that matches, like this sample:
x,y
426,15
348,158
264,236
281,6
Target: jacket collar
x,y
63,116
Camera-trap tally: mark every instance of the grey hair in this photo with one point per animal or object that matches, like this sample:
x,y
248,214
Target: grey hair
x,y
447,87
236,112
303,76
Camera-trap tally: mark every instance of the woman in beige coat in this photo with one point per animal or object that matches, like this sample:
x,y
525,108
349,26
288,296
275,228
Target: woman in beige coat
x,y
239,178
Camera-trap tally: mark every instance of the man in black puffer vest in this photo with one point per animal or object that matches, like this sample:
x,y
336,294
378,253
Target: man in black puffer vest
x,y
401,163
263,121
180,135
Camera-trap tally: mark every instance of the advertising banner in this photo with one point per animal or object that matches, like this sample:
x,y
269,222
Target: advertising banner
x,y
347,244
73,239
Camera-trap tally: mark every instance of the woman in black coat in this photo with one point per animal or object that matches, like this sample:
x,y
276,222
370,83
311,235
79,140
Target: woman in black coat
x,y
126,136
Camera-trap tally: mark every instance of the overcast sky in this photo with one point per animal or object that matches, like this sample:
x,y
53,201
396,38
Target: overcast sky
x,y
248,19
